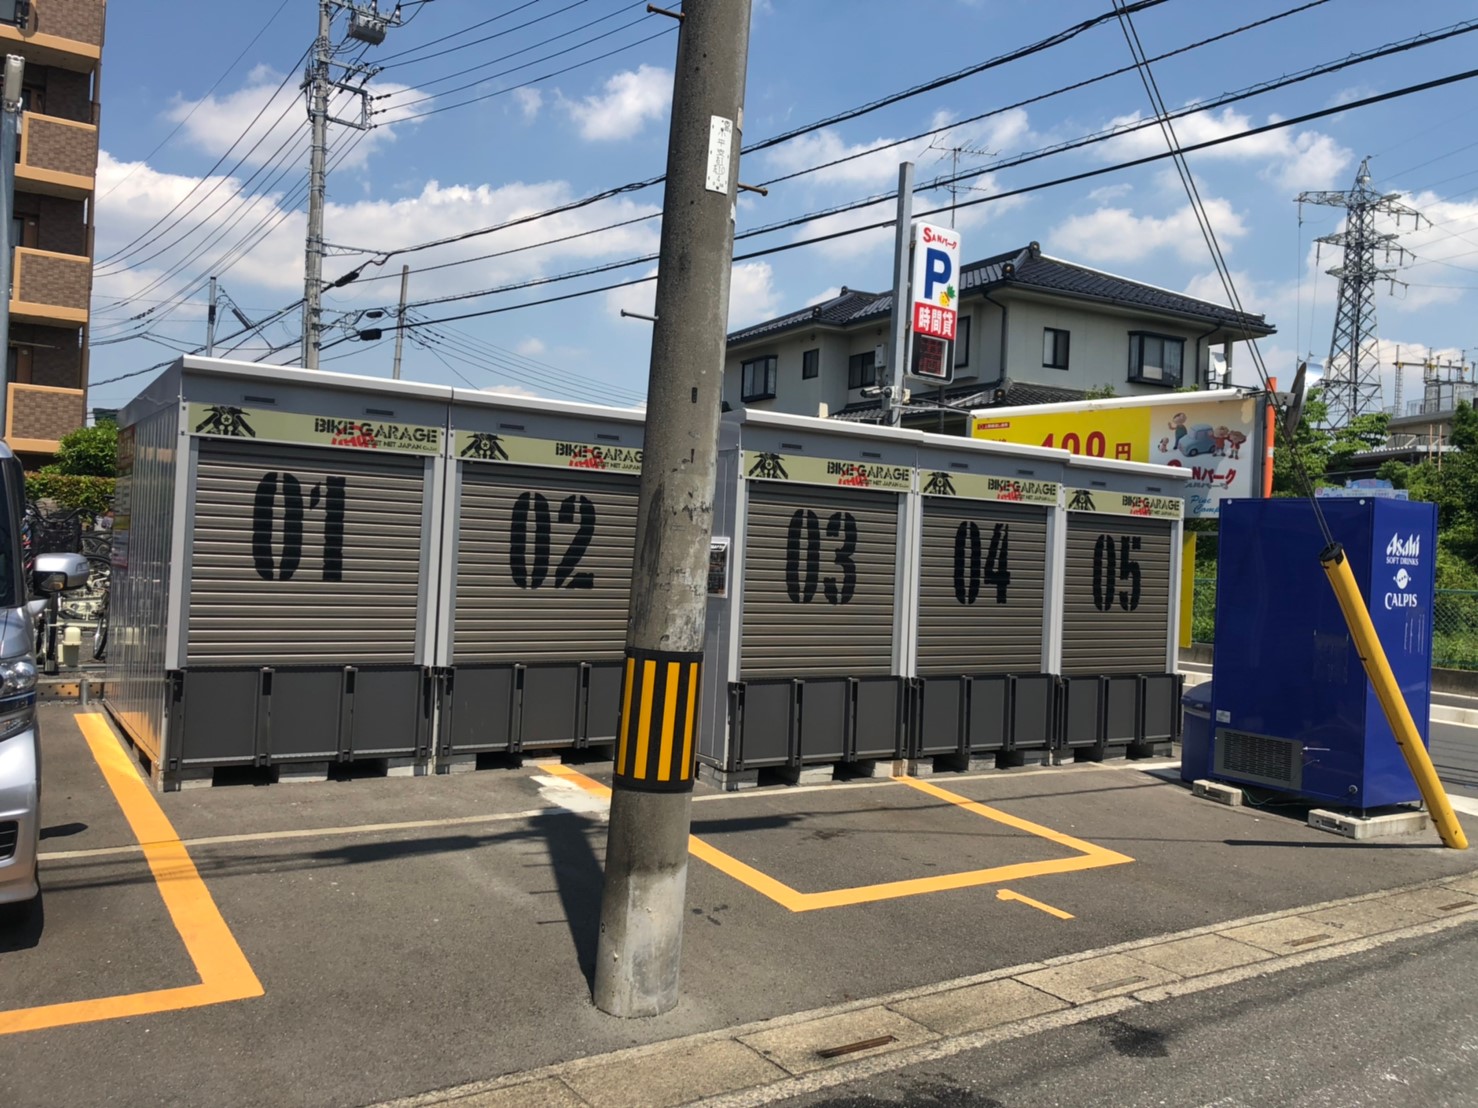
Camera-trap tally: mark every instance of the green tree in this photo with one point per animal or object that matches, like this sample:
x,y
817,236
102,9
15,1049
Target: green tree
x,y
87,452
1465,426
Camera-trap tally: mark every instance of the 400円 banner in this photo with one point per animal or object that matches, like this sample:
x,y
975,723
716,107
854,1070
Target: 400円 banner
x,y
263,425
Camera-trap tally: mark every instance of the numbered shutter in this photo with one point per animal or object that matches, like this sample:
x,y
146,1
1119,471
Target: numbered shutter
x,y
304,557
819,578
1116,613
983,570
543,565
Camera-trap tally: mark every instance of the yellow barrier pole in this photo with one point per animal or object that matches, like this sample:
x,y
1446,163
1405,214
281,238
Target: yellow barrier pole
x,y
1398,715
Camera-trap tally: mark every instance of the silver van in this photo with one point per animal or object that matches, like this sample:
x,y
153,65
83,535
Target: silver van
x,y
20,740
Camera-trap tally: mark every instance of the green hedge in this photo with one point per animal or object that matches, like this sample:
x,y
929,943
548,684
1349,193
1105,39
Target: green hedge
x,y
91,494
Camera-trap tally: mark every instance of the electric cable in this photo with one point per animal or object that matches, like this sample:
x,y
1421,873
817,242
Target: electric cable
x,y
126,249
1148,159
196,106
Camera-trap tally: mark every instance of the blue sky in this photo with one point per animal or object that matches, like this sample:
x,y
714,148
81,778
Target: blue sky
x,y
176,201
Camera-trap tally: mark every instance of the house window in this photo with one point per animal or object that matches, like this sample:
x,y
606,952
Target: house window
x,y
862,371
810,364
1155,359
1054,348
758,378
962,342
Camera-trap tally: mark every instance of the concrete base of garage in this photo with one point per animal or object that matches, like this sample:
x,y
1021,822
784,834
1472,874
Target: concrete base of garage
x,y
1218,791
728,780
423,935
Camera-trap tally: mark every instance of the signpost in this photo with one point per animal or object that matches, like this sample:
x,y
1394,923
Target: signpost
x,y
934,312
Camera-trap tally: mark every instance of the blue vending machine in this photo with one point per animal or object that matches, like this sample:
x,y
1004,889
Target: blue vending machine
x,y
1292,709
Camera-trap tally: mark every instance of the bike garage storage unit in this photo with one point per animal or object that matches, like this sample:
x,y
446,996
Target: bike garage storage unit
x,y
317,568
1119,603
988,527
807,621
270,605
539,535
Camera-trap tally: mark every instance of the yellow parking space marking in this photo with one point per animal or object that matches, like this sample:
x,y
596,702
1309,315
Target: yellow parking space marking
x,y
1008,894
225,974
1088,856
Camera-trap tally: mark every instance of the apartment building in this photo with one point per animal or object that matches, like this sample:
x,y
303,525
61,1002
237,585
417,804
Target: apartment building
x,y
52,228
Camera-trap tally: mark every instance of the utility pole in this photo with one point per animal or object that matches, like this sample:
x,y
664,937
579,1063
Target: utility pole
x,y
10,125
405,281
366,25
898,328
210,322
642,907
1352,384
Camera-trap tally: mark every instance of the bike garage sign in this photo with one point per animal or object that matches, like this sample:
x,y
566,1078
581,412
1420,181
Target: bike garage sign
x,y
481,446
827,471
1124,504
263,425
978,486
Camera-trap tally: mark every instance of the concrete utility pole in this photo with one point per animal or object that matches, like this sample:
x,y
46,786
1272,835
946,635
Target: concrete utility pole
x,y
318,83
10,126
368,26
892,393
210,322
642,909
405,281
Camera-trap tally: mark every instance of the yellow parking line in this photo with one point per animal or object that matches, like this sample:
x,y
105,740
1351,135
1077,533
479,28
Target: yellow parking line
x,y
1088,856
225,974
1008,894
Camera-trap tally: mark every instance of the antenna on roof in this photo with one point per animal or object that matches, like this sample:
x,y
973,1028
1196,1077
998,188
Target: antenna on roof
x,y
952,183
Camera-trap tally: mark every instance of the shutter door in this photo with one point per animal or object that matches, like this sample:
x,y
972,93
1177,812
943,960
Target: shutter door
x,y
1106,627
543,565
304,557
819,577
972,618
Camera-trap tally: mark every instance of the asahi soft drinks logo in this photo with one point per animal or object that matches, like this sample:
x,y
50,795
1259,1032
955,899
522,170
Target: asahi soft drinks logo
x,y
1404,552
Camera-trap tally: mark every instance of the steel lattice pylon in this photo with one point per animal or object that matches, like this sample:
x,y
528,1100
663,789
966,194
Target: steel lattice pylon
x,y
1352,384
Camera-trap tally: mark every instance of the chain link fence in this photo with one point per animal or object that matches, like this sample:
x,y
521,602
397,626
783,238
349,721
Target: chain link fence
x,y
1454,624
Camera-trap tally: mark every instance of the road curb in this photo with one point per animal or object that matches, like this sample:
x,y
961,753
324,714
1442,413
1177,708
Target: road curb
x,y
1266,943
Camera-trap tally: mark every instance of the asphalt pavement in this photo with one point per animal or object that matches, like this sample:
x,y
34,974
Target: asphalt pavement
x,y
349,942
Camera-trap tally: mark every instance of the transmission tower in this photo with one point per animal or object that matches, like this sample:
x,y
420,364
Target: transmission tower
x,y
1352,384
326,75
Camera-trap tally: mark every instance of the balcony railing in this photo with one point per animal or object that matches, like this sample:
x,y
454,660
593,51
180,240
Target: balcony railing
x,y
63,33
58,157
49,288
37,416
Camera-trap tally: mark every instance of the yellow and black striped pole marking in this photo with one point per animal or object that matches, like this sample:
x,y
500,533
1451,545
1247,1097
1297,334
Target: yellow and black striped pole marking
x,y
659,721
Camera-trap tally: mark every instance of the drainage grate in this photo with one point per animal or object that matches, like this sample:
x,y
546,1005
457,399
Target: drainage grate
x,y
1259,758
10,833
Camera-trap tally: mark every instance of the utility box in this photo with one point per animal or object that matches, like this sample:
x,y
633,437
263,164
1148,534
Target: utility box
x,y
1293,709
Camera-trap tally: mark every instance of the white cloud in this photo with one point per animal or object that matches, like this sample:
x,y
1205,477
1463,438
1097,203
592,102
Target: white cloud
x,y
1207,286
531,347
263,120
824,295
1110,192
1295,160
752,296
529,101
859,243
140,196
874,163
630,99
1118,235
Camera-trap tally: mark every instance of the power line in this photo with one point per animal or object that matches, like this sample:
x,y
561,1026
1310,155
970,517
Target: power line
x,y
1073,178
1016,160
469,43
196,106
219,161
525,65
